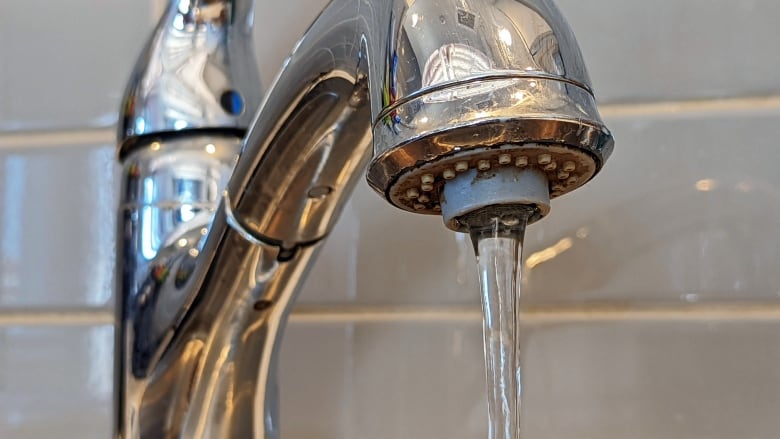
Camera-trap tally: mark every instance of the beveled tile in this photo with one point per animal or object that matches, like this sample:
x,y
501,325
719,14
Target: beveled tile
x,y
388,380
422,380
57,226
683,211
316,376
648,51
652,380
56,381
407,258
597,379
65,64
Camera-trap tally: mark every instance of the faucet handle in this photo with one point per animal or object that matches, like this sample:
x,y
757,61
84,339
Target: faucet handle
x,y
197,72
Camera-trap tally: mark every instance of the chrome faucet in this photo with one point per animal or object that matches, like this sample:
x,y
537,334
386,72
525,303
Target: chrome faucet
x,y
451,94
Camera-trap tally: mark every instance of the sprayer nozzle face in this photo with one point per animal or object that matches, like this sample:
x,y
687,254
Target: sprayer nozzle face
x,y
496,193
505,175
483,125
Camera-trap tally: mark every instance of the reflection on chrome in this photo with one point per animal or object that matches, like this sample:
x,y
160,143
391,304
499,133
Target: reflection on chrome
x,y
206,277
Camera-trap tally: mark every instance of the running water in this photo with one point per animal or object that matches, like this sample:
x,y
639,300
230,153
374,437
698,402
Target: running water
x,y
497,234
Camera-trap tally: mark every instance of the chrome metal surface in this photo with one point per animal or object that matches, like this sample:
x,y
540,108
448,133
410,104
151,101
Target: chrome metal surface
x,y
432,78
170,192
203,307
196,72
189,102
483,75
435,80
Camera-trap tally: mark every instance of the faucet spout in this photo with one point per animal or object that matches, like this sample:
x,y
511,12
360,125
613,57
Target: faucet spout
x,y
434,84
446,91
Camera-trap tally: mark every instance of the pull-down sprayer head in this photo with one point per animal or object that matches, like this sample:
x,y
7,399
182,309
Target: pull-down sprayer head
x,y
489,103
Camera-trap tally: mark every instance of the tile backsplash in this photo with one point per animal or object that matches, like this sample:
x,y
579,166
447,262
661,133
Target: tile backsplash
x,y
640,51
64,64
388,380
56,379
57,226
681,222
681,212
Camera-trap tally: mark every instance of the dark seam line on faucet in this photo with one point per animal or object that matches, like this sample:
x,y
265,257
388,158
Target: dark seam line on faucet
x,y
286,253
175,204
132,144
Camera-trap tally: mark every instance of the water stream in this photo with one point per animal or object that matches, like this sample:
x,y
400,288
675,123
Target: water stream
x,y
497,234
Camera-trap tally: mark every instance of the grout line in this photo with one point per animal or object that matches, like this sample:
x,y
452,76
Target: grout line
x,y
43,139
547,314
700,106
102,136
337,314
44,317
684,313
383,314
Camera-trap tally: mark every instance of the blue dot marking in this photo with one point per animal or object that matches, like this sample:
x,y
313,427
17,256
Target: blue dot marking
x,y
232,102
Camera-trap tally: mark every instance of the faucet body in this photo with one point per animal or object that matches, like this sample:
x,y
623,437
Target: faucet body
x,y
207,278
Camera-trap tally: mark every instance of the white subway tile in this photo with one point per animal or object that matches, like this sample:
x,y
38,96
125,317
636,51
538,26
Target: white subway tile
x,y
419,380
652,380
637,50
406,258
278,27
317,398
65,64
57,226
683,211
56,381
382,381
617,379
